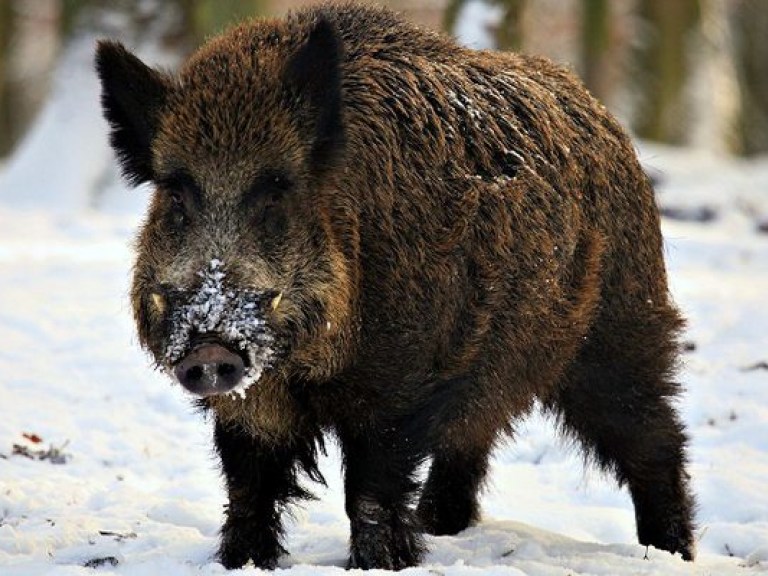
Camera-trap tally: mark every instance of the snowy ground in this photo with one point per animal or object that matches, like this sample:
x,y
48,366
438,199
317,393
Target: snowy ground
x,y
138,492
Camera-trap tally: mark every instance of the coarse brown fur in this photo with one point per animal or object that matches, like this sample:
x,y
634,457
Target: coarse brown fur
x,y
462,232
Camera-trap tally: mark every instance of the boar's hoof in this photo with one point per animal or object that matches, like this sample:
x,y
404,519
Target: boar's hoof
x,y
385,543
241,542
378,550
210,369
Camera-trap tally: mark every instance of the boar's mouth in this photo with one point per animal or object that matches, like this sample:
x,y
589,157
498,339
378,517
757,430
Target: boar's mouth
x,y
219,340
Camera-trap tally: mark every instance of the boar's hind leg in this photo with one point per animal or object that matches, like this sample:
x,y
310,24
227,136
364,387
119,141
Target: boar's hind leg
x,y
448,503
617,400
379,485
261,479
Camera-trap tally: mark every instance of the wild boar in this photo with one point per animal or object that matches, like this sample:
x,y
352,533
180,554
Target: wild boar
x,y
361,228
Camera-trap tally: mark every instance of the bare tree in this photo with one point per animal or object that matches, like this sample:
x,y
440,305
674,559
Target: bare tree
x,y
207,17
6,139
595,45
750,22
663,68
510,33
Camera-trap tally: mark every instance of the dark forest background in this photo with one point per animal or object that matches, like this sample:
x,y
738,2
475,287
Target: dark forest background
x,y
684,72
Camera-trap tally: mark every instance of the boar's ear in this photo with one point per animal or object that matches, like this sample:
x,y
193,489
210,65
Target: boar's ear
x,y
131,97
314,72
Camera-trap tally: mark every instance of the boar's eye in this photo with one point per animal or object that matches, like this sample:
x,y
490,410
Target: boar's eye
x,y
265,202
277,182
177,199
182,194
267,190
279,185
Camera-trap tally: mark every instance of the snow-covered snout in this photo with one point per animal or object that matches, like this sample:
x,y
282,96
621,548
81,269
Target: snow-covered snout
x,y
218,339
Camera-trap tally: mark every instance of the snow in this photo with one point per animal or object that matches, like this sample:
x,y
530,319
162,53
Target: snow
x,y
139,492
238,315
475,23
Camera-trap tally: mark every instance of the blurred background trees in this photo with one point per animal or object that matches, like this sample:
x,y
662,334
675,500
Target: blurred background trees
x,y
750,44
688,72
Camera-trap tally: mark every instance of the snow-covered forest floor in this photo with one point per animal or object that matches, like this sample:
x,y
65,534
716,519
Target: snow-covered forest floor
x,y
104,464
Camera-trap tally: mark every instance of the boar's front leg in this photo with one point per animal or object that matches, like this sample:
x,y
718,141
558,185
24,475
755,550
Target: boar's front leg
x,y
380,485
261,479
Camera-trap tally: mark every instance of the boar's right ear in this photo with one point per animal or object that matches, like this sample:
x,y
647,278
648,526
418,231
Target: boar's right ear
x,y
132,95
314,72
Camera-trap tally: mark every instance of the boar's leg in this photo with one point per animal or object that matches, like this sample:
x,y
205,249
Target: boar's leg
x,y
380,485
617,400
448,503
261,479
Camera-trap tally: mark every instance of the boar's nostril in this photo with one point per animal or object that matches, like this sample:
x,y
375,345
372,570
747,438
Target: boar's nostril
x,y
210,369
226,369
194,374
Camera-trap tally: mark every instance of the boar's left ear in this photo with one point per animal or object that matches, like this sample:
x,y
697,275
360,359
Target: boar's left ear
x,y
314,72
131,97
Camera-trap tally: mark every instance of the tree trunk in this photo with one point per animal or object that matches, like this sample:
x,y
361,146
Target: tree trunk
x,y
6,131
663,68
595,46
452,9
208,17
510,34
750,26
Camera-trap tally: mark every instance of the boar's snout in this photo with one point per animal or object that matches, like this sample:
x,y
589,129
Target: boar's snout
x,y
210,369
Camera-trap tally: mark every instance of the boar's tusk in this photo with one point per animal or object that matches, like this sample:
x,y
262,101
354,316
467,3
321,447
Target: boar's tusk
x,y
159,301
276,301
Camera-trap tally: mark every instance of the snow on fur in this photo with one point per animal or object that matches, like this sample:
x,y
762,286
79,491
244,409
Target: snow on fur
x,y
237,316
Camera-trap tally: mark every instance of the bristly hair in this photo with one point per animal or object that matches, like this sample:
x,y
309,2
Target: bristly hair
x,y
314,72
132,95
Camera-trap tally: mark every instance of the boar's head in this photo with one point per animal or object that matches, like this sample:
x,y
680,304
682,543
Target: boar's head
x,y
243,259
